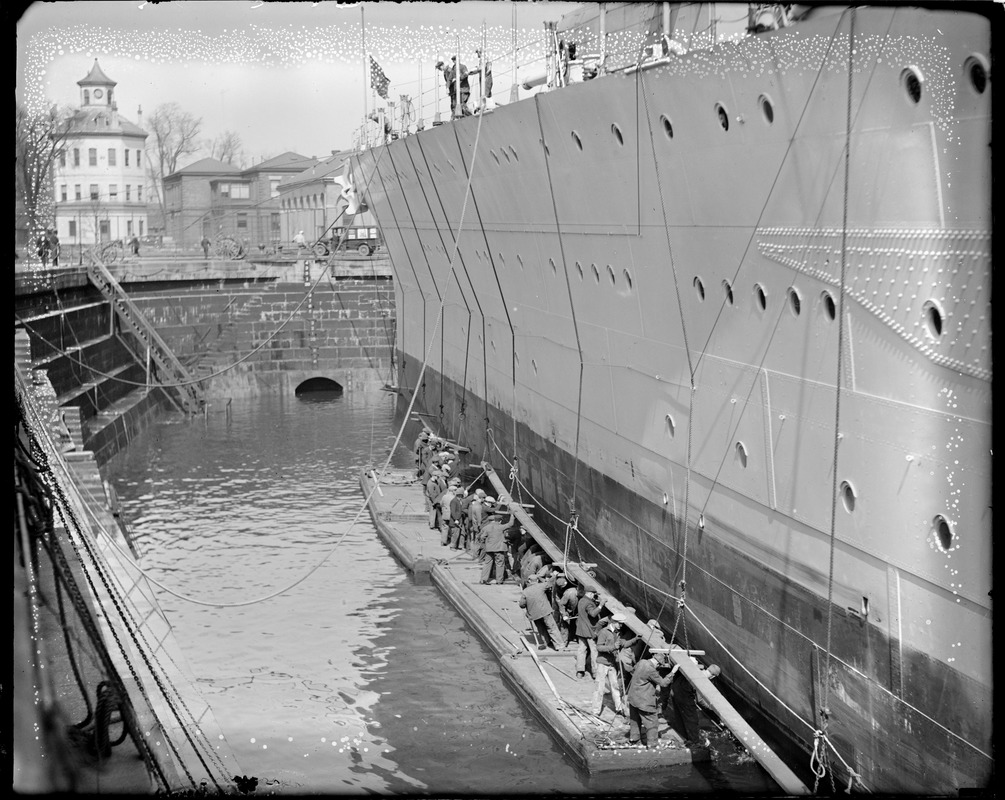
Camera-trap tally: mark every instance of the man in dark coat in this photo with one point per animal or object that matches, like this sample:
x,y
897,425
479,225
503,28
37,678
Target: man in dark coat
x,y
642,694
536,598
587,616
494,546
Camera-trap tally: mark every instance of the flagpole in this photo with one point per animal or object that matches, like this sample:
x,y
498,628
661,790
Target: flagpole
x,y
362,22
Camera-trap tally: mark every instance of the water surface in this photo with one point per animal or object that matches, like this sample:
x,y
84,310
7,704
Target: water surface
x,y
328,670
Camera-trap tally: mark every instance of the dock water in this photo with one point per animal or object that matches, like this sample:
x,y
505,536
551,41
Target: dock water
x,y
544,679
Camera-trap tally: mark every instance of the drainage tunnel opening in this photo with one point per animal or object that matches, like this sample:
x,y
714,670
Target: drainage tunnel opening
x,y
319,389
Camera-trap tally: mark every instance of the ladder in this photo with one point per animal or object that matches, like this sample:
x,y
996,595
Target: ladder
x,y
169,368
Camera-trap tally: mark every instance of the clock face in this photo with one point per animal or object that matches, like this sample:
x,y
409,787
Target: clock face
x,y
98,93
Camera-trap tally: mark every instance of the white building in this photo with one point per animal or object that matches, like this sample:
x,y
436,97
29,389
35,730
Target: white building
x,y
99,175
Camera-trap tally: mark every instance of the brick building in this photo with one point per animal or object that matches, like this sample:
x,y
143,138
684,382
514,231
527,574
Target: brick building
x,y
210,198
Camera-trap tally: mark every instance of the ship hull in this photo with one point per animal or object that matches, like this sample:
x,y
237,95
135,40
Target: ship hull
x,y
743,360
770,623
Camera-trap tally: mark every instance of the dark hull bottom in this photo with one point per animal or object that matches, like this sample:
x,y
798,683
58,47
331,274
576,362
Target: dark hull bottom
x,y
768,623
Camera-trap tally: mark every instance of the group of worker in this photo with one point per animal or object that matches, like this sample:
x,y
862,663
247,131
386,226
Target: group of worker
x,y
563,613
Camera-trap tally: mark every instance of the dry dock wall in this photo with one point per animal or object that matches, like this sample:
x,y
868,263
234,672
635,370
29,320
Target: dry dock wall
x,y
241,328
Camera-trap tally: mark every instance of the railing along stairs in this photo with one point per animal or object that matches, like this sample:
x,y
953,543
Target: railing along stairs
x,y
169,368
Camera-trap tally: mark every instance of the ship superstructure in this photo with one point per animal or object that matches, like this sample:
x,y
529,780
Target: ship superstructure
x,y
724,311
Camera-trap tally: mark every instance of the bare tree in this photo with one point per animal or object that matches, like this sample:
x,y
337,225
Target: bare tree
x,y
174,134
226,147
39,139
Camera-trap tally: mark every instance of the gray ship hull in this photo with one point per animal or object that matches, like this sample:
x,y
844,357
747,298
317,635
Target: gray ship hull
x,y
650,307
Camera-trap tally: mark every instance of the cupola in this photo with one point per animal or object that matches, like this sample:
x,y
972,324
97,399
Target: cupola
x,y
96,89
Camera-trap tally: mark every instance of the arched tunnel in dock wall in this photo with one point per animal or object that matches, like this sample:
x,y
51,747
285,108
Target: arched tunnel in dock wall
x,y
238,328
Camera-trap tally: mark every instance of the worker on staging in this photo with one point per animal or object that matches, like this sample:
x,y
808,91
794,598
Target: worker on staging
x,y
493,536
536,599
565,599
444,502
587,616
684,705
607,665
642,696
435,486
457,517
300,240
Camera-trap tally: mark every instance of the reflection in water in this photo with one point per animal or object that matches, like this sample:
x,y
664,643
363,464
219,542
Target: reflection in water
x,y
327,669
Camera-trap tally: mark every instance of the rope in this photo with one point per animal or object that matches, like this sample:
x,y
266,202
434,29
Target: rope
x,y
825,710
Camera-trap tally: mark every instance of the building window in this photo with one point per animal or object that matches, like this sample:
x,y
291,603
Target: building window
x,y
62,193
274,223
87,97
138,162
274,185
73,229
242,222
62,158
240,191
92,156
113,191
139,194
129,227
76,191
125,152
224,190
76,156
111,156
94,191
128,190
141,227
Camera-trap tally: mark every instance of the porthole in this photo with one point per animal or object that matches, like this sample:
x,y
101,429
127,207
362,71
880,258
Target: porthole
x,y
827,304
741,454
728,291
760,296
628,278
493,152
516,357
505,155
671,426
492,342
519,260
514,153
795,302
596,272
912,81
533,365
848,496
667,126
976,70
554,267
723,116
451,163
579,268
617,134
942,532
577,140
699,287
502,260
610,274
767,109
933,319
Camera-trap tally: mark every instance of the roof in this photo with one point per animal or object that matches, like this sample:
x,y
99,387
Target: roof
x,y
205,167
330,167
286,161
93,120
96,77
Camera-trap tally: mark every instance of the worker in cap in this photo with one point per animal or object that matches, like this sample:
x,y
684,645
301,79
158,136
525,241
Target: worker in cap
x,y
605,670
435,486
643,700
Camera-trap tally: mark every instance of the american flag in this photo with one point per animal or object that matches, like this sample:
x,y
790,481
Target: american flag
x,y
378,80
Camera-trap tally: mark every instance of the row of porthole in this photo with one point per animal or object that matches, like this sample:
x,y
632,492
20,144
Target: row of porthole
x,y
794,298
975,68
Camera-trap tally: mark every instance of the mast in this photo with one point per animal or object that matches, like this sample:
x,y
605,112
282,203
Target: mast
x,y
362,24
603,38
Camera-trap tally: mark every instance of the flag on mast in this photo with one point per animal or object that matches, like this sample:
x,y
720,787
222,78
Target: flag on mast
x,y
378,80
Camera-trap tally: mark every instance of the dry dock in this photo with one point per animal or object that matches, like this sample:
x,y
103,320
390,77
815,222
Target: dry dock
x,y
545,680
